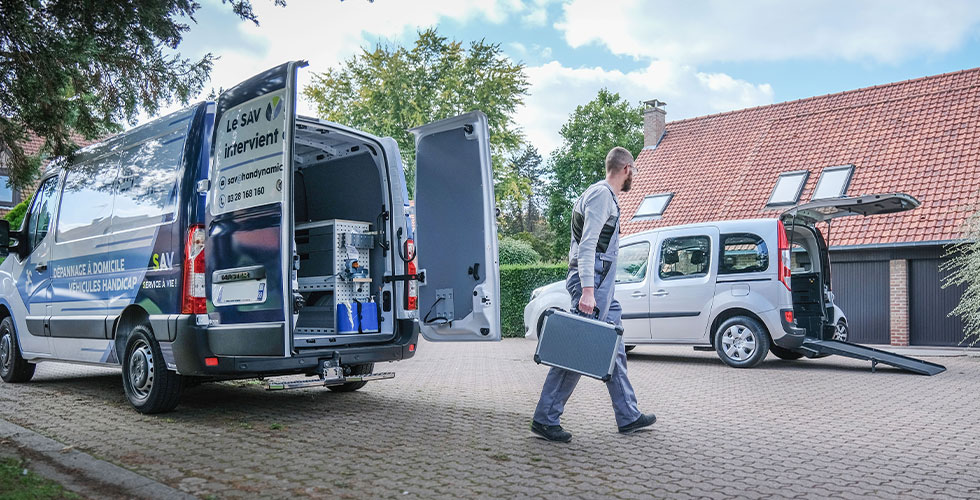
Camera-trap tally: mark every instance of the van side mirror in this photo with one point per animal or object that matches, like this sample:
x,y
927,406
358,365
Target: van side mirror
x,y
4,237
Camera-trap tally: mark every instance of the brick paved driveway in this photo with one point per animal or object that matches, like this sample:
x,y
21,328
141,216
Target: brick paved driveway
x,y
453,423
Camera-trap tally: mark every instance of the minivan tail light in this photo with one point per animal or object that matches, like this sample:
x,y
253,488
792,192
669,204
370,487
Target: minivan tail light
x,y
411,285
194,301
785,273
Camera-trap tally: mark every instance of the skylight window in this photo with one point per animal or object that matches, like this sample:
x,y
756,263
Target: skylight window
x,y
653,206
833,182
788,188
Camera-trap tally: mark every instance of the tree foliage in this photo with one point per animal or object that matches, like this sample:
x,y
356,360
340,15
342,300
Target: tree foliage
x,y
391,89
591,131
964,271
519,186
86,67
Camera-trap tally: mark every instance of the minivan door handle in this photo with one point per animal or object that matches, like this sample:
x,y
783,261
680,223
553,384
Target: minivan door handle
x,y
660,293
638,294
41,267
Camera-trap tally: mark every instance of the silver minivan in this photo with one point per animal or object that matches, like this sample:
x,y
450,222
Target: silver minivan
x,y
742,287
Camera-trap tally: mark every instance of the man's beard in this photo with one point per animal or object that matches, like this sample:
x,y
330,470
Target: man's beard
x,y
627,184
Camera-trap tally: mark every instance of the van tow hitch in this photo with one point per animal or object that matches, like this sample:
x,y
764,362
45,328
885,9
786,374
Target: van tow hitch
x,y
330,373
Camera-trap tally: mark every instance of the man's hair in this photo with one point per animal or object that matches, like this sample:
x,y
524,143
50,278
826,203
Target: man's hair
x,y
618,158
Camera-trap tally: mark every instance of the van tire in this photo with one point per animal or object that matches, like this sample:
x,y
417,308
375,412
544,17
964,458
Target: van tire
x,y
741,342
782,353
13,368
149,385
353,386
629,347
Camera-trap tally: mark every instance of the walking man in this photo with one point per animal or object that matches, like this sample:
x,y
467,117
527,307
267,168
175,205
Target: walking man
x,y
591,282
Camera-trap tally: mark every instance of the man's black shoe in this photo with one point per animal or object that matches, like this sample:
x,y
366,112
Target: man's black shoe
x,y
644,421
551,432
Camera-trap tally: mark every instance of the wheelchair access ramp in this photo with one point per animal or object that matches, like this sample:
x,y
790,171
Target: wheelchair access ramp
x,y
816,346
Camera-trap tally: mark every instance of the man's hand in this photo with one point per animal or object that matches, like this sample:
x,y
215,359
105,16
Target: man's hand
x,y
587,303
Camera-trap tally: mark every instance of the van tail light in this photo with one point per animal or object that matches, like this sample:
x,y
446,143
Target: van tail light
x,y
785,273
194,301
411,285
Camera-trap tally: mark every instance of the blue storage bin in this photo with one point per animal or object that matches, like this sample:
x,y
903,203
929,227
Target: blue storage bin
x,y
369,317
348,320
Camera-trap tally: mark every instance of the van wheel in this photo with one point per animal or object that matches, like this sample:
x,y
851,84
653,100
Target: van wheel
x,y
783,353
353,386
13,368
741,342
841,331
630,348
150,386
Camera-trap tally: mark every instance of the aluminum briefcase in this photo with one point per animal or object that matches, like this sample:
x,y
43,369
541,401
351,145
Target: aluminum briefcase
x,y
576,343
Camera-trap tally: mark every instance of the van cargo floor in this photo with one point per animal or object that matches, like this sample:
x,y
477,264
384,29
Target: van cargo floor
x,y
876,356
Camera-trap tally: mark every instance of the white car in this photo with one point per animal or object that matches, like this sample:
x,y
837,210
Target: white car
x,y
719,284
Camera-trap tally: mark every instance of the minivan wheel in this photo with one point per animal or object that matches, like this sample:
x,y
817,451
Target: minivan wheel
x,y
365,369
741,342
13,368
629,347
841,331
149,385
783,353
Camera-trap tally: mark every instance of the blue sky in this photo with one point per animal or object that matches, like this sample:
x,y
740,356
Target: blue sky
x,y
700,57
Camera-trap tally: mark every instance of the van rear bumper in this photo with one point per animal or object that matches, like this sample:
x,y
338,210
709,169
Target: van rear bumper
x,y
195,343
792,335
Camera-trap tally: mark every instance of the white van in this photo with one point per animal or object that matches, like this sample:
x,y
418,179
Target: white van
x,y
235,239
742,287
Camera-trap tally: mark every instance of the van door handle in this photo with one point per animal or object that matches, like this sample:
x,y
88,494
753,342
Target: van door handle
x,y
660,293
41,267
638,294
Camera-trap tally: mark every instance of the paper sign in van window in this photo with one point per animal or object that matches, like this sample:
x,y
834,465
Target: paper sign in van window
x,y
250,153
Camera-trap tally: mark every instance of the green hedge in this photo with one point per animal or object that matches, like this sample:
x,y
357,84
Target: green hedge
x,y
516,284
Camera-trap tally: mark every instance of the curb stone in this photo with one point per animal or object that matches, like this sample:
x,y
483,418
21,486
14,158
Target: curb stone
x,y
82,473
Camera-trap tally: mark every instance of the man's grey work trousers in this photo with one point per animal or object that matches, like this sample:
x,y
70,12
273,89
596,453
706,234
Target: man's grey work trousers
x,y
559,384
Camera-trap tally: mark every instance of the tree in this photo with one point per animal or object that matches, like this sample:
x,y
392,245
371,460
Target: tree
x,y
390,89
87,66
964,270
591,131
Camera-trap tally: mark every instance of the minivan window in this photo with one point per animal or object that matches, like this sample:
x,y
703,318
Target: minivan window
x,y
685,257
800,260
631,266
86,200
145,188
743,253
42,213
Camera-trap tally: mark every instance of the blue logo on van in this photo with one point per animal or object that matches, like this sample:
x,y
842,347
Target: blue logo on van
x,y
273,109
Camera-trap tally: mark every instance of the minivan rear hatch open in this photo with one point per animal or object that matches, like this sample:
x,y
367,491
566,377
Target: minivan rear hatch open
x,y
825,210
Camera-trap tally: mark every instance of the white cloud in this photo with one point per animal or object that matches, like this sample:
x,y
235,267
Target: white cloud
x,y
556,90
770,30
327,32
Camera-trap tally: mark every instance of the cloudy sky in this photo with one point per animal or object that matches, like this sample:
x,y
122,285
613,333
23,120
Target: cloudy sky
x,y
700,57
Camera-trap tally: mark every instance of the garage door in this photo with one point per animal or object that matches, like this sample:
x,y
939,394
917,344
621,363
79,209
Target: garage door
x,y
929,306
861,291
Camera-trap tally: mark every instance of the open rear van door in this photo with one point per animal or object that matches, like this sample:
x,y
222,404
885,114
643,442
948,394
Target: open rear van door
x,y
456,230
249,243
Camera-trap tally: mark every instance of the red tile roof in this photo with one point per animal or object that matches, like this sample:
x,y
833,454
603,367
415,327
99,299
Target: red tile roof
x,y
920,137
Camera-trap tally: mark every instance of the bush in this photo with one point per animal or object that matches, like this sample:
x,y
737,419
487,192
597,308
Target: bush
x,y
516,252
539,244
16,215
516,285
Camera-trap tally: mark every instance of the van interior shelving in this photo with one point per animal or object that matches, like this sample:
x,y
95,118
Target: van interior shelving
x,y
340,196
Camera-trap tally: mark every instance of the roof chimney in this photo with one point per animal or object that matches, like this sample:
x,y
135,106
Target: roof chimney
x,y
654,122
